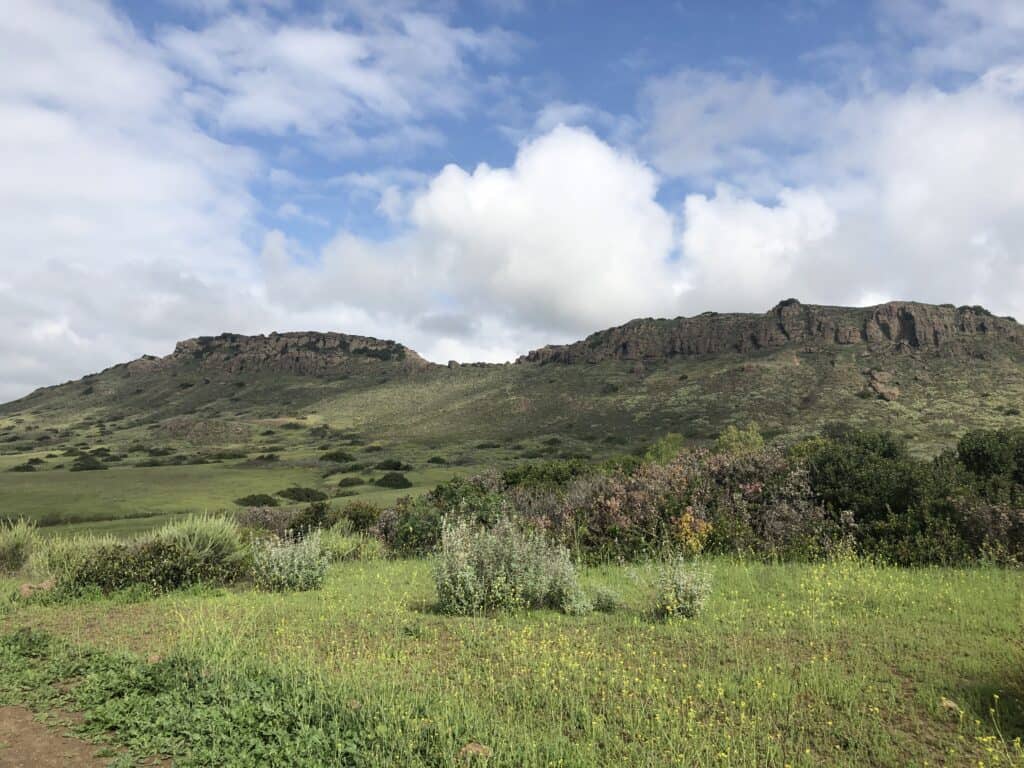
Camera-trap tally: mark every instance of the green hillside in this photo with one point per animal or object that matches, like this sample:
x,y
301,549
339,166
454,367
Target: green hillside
x,y
230,416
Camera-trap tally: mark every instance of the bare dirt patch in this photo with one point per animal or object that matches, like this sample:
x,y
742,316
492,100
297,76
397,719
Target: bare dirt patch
x,y
27,743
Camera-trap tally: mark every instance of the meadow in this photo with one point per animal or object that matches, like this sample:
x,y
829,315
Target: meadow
x,y
842,663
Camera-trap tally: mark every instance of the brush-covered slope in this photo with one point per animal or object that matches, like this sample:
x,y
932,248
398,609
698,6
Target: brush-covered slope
x,y
930,371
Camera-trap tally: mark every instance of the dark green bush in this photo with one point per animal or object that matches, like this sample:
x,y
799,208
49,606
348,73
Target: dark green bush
x,y
351,481
297,493
392,464
393,480
257,500
361,515
87,463
338,456
411,526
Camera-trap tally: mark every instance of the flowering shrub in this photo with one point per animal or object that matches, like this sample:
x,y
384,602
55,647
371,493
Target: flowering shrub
x,y
502,568
280,565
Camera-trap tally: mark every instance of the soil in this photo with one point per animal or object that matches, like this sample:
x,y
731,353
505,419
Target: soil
x,y
27,743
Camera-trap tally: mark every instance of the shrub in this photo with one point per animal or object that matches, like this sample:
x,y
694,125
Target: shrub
x,y
26,467
392,464
257,500
17,541
339,546
411,526
319,514
283,565
198,549
740,441
393,480
279,521
351,481
338,457
437,460
680,589
361,515
296,493
606,600
503,568
87,463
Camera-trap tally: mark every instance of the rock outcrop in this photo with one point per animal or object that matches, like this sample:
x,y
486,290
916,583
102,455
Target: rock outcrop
x,y
298,353
901,326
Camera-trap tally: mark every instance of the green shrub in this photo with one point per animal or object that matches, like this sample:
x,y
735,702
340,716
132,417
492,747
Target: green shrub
x,y
437,460
740,441
607,600
87,463
198,549
26,467
393,480
338,546
411,526
392,464
361,515
338,456
318,514
680,589
351,481
17,541
503,568
257,500
282,565
296,493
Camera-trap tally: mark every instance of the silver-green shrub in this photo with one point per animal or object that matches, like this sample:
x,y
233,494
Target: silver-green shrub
x,y
502,568
681,589
17,540
280,565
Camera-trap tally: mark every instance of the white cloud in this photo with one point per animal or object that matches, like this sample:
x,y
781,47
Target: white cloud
x,y
705,124
566,240
357,80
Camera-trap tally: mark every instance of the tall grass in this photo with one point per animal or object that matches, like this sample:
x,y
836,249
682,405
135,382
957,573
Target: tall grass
x,y
17,541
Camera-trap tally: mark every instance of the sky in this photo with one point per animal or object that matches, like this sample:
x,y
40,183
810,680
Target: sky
x,y
476,179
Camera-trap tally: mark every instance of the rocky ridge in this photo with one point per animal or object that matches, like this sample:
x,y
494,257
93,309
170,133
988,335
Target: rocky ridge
x,y
304,353
899,326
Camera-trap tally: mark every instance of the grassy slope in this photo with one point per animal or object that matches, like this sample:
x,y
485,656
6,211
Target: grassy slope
x,y
509,410
804,665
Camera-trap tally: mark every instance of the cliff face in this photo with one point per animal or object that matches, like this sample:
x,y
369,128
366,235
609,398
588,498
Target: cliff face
x,y
899,326
298,353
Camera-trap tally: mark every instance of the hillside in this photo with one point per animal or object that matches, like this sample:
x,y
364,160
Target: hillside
x,y
929,372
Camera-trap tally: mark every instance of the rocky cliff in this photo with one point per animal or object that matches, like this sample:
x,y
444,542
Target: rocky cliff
x,y
299,353
900,326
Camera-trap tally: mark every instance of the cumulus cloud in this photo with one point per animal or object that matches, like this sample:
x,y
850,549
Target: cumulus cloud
x,y
570,237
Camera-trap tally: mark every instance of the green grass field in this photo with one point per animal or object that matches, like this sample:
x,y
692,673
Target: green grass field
x,y
128,499
841,663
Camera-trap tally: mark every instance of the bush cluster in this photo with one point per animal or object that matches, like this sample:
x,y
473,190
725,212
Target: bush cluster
x,y
501,568
197,549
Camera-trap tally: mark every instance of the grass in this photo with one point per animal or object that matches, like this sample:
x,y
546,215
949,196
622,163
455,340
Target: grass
x,y
130,499
844,664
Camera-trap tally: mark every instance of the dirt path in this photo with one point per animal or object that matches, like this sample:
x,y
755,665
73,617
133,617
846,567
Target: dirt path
x,y
26,743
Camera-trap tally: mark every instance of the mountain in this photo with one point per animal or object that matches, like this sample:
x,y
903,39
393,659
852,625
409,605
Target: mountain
x,y
929,371
898,326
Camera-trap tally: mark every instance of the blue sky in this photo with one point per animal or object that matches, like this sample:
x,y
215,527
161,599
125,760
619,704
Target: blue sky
x,y
479,178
